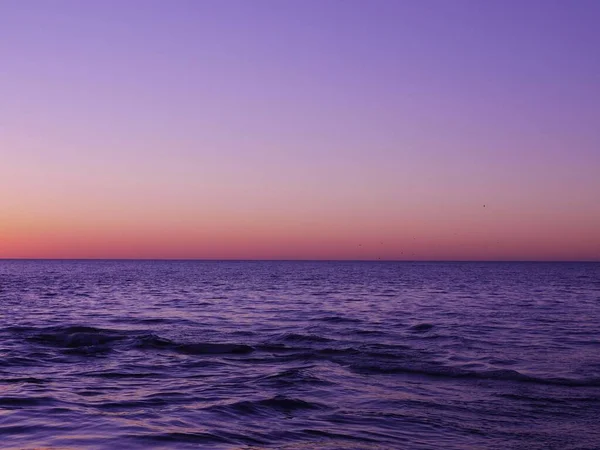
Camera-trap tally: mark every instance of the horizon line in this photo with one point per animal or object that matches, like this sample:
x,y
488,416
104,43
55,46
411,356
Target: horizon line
x,y
314,260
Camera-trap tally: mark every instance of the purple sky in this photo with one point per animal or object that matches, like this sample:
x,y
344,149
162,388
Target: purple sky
x,y
300,129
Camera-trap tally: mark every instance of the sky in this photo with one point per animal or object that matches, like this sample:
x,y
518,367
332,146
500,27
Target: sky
x,y
300,129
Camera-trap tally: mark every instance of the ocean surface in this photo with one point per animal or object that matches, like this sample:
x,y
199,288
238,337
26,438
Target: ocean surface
x,y
299,355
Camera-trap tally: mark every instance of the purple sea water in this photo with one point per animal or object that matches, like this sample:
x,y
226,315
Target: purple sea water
x,y
299,355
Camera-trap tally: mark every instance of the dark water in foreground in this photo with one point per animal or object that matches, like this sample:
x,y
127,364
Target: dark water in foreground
x,y
299,355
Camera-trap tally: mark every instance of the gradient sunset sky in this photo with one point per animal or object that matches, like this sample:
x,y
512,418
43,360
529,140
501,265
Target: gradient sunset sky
x,y
300,129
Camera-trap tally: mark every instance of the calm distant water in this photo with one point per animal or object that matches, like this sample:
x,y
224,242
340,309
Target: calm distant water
x,y
299,355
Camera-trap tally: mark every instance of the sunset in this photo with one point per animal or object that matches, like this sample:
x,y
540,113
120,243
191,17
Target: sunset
x,y
299,224
253,130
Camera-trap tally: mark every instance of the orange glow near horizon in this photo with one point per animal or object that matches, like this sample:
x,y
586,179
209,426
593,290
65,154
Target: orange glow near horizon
x,y
344,238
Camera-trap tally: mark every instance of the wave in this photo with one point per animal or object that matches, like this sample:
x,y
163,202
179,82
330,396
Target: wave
x,y
75,336
154,342
92,341
458,373
549,399
382,359
368,359
294,377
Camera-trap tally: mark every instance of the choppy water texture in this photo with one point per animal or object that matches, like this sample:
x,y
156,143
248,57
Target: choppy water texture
x,y
299,355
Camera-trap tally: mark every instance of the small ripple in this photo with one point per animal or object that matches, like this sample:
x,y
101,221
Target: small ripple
x,y
32,380
20,402
266,407
180,437
422,327
338,319
117,375
307,338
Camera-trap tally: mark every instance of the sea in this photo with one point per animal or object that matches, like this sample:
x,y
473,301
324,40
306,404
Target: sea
x,y
299,355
